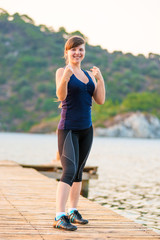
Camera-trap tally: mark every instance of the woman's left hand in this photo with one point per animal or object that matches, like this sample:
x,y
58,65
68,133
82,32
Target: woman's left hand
x,y
96,73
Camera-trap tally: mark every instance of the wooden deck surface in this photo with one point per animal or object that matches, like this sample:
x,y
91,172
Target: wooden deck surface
x,y
27,210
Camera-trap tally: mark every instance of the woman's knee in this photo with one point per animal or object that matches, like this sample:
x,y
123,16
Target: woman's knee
x,y
68,174
67,179
78,176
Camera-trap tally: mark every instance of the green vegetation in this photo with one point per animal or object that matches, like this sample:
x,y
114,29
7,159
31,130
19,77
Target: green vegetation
x,y
30,56
145,102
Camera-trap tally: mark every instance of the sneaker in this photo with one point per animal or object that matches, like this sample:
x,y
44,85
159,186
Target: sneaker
x,y
64,223
75,217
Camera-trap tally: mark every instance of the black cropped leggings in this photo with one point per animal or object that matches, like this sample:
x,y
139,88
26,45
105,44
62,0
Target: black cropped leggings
x,y
74,147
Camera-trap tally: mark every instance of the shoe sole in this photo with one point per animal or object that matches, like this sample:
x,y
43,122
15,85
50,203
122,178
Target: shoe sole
x,y
65,229
79,223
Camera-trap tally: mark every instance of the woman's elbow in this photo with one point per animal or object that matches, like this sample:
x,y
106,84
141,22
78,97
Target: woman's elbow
x,y
59,97
100,102
103,101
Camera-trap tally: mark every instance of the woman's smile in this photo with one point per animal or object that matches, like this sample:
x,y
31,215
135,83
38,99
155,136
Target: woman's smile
x,y
77,56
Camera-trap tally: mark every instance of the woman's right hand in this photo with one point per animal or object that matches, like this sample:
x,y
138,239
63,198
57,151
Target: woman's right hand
x,y
68,72
62,79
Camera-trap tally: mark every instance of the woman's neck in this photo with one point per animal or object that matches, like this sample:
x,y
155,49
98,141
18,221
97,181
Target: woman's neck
x,y
76,67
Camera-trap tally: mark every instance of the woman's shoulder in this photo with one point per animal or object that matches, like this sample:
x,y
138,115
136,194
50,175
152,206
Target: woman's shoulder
x,y
60,70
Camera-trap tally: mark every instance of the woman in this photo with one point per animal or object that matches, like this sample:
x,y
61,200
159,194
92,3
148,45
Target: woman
x,y
75,88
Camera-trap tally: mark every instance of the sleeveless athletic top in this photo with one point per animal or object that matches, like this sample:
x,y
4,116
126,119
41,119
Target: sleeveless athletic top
x,y
76,108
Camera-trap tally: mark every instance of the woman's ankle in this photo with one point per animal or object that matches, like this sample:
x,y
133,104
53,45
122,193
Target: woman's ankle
x,y
59,215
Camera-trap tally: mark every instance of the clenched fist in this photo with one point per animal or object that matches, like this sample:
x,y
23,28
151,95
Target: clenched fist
x,y
68,71
96,72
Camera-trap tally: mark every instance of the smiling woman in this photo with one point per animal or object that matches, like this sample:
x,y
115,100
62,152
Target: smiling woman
x,y
74,49
75,88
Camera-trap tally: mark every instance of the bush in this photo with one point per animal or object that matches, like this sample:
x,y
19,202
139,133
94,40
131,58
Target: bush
x,y
49,89
26,92
20,83
145,101
48,105
26,125
16,112
38,104
42,88
2,80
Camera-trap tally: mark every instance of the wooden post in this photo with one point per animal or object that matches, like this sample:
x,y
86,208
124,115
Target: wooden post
x,y
85,187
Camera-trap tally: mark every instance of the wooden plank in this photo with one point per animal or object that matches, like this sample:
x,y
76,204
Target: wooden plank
x,y
57,175
27,210
57,165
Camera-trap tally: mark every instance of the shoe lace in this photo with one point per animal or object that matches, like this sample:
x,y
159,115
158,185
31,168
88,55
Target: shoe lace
x,y
78,214
66,218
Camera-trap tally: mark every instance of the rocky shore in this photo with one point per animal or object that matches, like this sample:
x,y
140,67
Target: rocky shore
x,y
132,125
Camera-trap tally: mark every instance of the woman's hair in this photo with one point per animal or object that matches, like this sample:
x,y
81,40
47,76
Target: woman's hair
x,y
73,41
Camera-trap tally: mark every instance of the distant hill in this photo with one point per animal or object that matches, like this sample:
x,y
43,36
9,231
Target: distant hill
x,y
29,57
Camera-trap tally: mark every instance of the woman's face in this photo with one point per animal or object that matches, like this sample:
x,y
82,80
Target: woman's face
x,y
76,54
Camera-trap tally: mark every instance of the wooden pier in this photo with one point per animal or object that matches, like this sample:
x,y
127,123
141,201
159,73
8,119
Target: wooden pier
x,y
27,210
54,170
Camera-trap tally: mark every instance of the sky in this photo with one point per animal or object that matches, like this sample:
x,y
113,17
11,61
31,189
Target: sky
x,y
116,25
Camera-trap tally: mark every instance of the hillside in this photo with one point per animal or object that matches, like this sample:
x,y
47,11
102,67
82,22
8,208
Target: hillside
x,y
31,54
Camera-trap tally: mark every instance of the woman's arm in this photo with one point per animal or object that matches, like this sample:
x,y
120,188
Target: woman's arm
x,y
99,91
62,79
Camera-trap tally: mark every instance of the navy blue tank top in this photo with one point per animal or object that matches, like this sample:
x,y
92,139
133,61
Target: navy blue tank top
x,y
76,108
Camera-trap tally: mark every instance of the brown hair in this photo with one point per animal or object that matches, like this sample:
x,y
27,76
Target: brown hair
x,y
72,42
